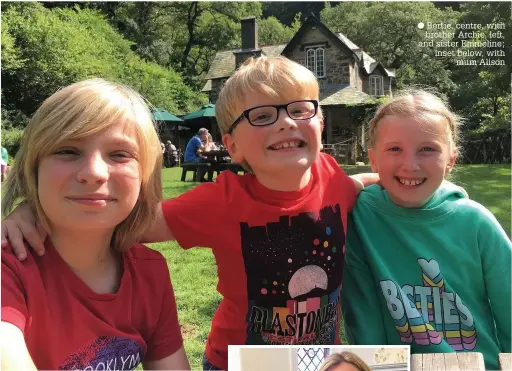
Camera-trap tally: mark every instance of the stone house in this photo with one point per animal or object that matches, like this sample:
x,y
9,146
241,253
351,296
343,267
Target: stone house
x,y
347,75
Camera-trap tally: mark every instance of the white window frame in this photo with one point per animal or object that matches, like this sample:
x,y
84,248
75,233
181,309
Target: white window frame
x,y
375,89
315,60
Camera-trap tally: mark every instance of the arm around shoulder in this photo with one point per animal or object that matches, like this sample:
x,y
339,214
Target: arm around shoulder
x,y
15,355
159,230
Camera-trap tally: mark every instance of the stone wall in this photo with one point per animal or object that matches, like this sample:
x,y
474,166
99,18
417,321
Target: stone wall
x,y
338,63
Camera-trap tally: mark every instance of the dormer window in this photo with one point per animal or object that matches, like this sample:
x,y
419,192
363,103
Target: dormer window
x,y
376,86
315,60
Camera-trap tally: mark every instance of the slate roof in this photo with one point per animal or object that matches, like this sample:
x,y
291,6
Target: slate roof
x,y
368,62
336,94
223,64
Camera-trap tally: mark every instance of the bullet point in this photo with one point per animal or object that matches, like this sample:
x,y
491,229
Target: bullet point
x,y
421,25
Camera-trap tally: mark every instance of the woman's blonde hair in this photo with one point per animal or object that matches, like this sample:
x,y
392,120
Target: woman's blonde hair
x,y
77,111
336,359
421,106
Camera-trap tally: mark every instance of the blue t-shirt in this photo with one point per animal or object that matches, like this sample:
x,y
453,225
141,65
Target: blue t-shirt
x,y
191,150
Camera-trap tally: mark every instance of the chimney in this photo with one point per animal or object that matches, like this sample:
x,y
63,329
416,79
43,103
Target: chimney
x,y
249,41
249,33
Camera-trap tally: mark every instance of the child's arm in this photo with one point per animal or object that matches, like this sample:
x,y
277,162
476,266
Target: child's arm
x,y
159,230
15,355
496,254
176,361
22,224
360,302
364,180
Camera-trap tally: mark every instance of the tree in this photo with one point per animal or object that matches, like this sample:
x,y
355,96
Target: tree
x,y
46,49
271,31
388,32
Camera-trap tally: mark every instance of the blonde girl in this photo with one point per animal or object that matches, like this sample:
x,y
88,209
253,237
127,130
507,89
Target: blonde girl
x,y
89,168
425,266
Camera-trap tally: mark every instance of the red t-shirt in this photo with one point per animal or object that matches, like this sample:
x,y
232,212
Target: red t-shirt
x,y
279,255
68,326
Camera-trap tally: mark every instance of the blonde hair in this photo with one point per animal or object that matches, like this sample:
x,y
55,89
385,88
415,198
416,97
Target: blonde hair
x,y
336,359
276,77
421,106
78,111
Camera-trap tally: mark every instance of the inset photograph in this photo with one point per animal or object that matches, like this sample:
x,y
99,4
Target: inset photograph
x,y
333,358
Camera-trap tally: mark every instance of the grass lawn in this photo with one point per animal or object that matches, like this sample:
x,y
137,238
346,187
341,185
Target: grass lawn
x,y
194,273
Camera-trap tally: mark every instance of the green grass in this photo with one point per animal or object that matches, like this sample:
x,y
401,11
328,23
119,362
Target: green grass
x,y
194,273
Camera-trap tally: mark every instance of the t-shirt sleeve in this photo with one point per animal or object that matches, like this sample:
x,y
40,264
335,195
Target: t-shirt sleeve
x,y
363,320
198,216
166,339
14,305
496,252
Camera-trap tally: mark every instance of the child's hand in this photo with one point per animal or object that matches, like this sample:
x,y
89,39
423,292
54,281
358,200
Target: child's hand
x,y
364,180
22,224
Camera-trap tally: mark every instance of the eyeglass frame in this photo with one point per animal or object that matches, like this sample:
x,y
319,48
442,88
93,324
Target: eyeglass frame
x,y
245,114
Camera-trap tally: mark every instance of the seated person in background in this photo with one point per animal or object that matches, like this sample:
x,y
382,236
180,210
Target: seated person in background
x,y
171,154
89,166
193,152
210,144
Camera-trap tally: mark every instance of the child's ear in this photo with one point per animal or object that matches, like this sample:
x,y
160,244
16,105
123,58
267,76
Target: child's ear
x,y
373,163
229,143
451,162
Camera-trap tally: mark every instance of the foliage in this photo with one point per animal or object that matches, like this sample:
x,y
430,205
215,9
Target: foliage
x,y
395,42
11,140
271,31
46,49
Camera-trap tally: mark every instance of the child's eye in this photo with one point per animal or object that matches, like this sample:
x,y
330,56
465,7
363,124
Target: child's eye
x,y
394,149
121,155
261,118
427,149
67,152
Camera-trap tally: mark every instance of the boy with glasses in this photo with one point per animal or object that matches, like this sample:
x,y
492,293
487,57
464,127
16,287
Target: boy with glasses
x,y
277,233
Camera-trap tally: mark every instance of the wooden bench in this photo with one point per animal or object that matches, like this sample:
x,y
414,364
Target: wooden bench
x,y
234,168
192,166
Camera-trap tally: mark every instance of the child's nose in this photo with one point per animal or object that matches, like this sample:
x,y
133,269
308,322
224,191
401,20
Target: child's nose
x,y
411,162
94,170
284,121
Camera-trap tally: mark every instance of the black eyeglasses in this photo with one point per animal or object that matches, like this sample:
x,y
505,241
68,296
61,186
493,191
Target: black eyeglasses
x,y
267,115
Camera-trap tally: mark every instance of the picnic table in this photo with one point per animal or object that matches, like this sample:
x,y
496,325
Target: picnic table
x,y
470,361
216,155
216,163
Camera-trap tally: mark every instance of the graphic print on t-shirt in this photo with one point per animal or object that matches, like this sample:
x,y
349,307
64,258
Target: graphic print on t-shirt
x,y
105,353
428,314
294,269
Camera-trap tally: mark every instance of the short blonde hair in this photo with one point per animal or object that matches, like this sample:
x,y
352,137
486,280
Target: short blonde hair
x,y
276,77
336,359
421,106
75,112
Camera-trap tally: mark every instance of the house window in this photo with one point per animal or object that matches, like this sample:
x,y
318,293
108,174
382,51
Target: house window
x,y
376,86
315,60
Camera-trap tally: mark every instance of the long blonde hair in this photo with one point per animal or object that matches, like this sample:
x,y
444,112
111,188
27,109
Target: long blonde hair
x,y
336,359
75,112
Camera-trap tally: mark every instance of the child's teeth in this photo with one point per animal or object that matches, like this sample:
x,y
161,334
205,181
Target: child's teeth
x,y
285,144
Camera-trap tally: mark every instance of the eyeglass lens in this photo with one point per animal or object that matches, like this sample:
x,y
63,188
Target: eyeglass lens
x,y
268,114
